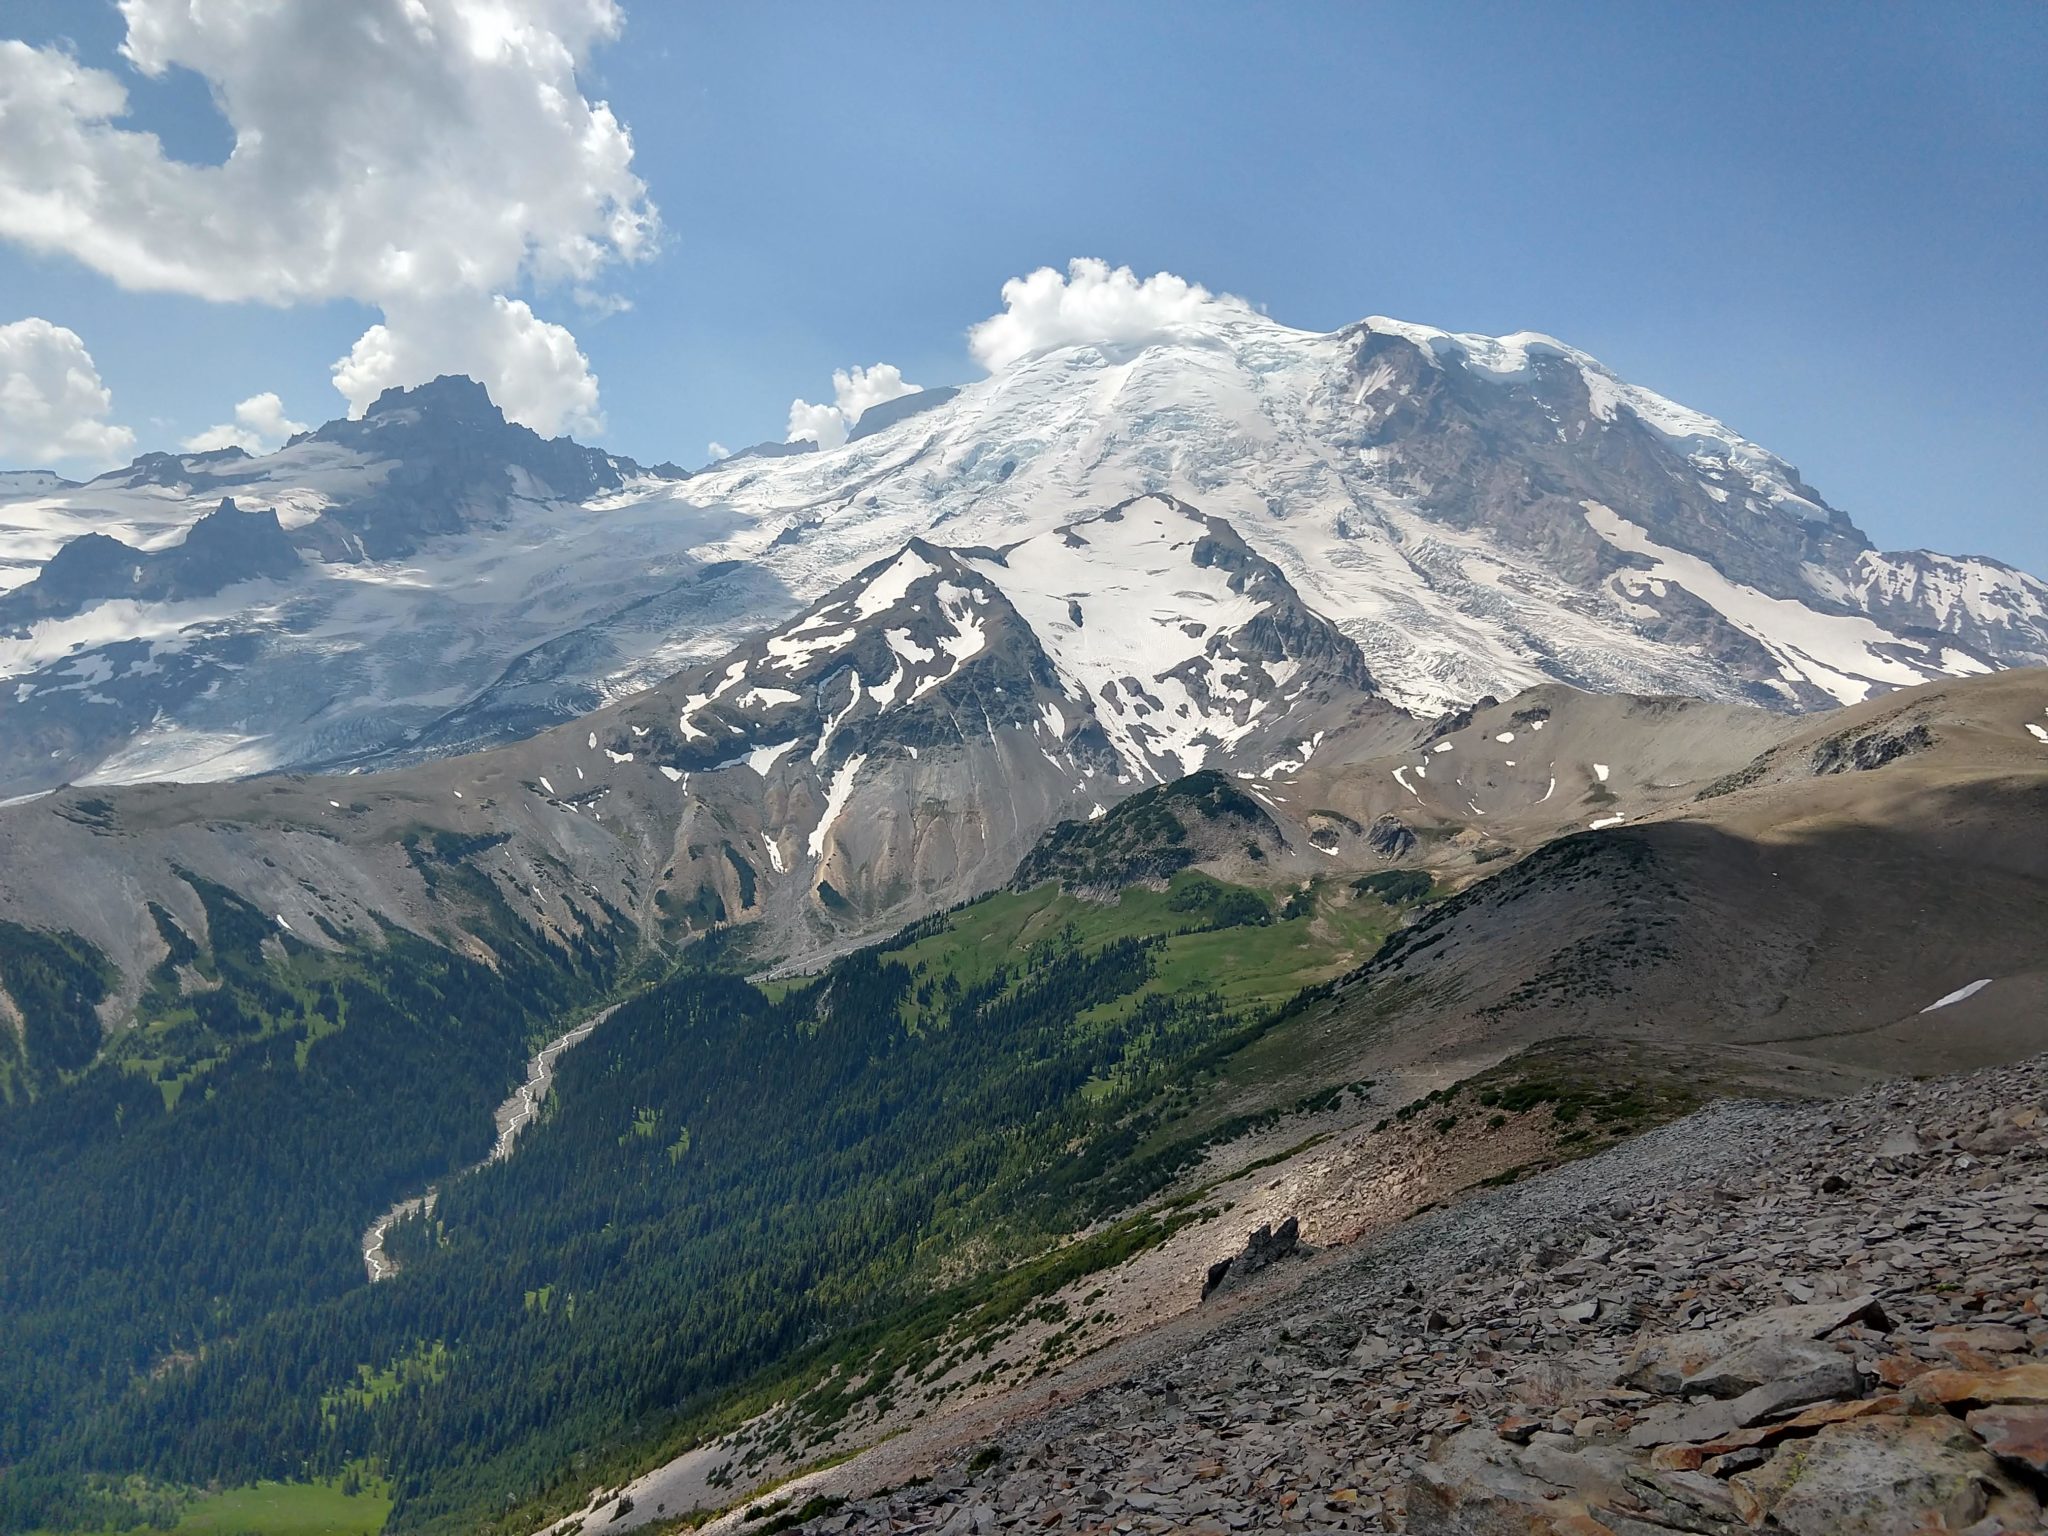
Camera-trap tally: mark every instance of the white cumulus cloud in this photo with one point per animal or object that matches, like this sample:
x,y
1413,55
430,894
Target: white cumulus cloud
x,y
534,369
260,425
820,424
1093,302
53,405
854,390
400,153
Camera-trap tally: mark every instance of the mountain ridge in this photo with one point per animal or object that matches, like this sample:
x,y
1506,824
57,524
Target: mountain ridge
x,y
1475,513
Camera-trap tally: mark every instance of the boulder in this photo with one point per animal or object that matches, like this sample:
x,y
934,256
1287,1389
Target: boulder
x,y
2026,1384
1883,1476
1830,1378
1472,1486
1760,1361
1665,1364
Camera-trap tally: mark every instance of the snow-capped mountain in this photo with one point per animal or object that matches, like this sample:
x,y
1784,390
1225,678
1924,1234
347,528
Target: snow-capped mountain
x,y
370,580
1479,514
1474,515
901,743
893,749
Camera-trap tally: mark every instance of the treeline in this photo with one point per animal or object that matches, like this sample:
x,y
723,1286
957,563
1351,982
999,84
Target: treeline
x,y
216,1167
56,982
721,1184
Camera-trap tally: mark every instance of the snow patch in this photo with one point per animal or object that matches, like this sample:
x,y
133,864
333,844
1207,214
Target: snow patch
x,y
1958,995
836,796
832,725
901,643
1842,656
789,654
893,584
761,759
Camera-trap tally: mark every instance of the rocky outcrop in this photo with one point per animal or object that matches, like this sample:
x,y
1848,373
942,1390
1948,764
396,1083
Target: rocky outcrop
x,y
1869,750
454,463
877,418
1390,837
224,547
1265,1246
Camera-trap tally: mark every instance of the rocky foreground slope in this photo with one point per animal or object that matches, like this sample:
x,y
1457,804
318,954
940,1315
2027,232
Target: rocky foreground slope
x,y
1820,1319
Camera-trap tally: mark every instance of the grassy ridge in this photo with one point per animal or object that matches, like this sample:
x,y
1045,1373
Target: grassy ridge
x,y
1251,966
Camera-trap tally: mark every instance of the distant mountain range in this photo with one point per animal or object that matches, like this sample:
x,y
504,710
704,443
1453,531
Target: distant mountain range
x,y
1447,516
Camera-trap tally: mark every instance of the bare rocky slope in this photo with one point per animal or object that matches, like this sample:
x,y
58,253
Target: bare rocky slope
x,y
1808,902
1823,1319
902,745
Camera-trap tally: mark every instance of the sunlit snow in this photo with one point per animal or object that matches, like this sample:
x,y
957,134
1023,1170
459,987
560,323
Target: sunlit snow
x,y
1958,995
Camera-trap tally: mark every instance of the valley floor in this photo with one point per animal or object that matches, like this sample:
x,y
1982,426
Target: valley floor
x,y
1868,1272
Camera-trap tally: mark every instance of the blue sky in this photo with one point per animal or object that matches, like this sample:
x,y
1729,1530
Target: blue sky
x,y
1822,223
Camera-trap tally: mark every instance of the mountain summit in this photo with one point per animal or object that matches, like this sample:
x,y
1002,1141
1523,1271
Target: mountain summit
x,y
1480,514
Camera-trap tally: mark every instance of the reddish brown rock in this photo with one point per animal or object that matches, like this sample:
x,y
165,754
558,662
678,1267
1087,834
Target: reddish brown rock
x,y
1677,1458
1897,1370
2014,1434
2016,1384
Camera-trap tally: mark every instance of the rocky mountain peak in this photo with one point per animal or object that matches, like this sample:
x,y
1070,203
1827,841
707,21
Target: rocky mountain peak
x,y
917,649
450,462
449,398
224,547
